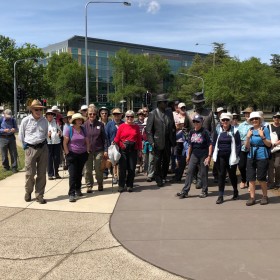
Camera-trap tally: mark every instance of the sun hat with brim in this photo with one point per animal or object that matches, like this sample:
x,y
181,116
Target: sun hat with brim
x,y
198,97
55,108
220,109
50,111
276,115
84,107
103,109
255,115
227,116
70,113
248,110
36,104
76,117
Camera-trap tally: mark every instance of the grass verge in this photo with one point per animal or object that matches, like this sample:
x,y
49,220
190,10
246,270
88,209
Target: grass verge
x,y
4,174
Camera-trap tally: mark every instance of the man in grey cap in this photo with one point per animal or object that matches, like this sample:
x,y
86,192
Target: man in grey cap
x,y
8,127
161,135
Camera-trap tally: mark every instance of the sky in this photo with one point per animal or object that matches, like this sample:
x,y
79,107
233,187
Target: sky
x,y
248,28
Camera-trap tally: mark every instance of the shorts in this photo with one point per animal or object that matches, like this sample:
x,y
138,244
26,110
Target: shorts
x,y
257,169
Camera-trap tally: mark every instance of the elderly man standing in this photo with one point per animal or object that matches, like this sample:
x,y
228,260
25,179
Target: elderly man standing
x,y
161,135
8,127
33,134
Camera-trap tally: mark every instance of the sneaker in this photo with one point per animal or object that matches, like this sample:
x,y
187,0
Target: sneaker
x,y
250,201
182,195
220,200
130,189
51,178
57,176
79,193
235,196
14,170
27,197
264,200
149,179
115,181
72,198
203,195
198,186
41,200
100,188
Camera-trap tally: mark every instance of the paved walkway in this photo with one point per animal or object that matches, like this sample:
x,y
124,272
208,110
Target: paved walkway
x,y
63,240
198,239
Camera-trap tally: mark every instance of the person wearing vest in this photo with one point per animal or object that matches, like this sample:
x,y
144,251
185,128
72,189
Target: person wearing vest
x,y
54,145
33,134
258,144
98,149
8,127
76,148
227,145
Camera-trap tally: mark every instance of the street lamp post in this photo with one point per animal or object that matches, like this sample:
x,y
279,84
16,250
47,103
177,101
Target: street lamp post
x,y
86,47
214,62
15,81
184,74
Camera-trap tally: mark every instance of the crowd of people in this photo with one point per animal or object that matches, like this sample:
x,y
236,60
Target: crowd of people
x,y
162,141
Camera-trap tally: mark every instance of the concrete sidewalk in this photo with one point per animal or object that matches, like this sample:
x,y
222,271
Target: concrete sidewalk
x,y
63,240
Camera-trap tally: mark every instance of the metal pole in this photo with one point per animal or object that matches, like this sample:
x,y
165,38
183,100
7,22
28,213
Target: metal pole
x,y
86,45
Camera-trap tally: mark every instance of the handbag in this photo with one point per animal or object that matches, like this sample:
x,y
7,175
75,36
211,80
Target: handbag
x,y
274,139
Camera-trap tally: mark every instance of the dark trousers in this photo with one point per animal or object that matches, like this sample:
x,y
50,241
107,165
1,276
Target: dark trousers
x,y
194,162
53,159
161,163
242,165
127,165
224,167
8,144
76,164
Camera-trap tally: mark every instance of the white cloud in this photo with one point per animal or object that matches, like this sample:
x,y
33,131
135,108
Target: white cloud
x,y
153,7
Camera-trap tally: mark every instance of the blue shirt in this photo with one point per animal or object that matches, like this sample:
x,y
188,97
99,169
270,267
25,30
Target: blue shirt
x,y
7,123
111,130
258,150
243,129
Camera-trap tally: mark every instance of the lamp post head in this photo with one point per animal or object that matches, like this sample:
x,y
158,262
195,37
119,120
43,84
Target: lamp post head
x,y
127,3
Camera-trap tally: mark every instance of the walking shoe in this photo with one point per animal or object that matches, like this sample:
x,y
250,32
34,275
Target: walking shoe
x,y
115,181
41,200
149,179
79,193
198,186
14,170
203,195
89,190
51,178
121,189
27,197
72,198
220,200
250,201
65,167
57,176
100,187
264,200
182,195
130,189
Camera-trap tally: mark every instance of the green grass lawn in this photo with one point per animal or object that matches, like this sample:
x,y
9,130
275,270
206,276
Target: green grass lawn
x,y
4,174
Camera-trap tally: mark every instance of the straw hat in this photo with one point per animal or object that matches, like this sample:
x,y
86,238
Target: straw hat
x,y
248,110
36,104
76,117
70,113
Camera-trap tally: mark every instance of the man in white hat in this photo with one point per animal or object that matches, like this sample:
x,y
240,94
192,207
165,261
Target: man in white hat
x,y
58,116
8,127
33,134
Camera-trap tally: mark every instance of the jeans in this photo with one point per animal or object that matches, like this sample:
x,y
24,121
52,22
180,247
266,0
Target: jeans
x,y
224,167
194,161
76,164
8,144
53,159
127,165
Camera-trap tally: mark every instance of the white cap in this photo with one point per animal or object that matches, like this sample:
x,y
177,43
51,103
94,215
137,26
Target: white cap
x,y
180,105
55,108
227,116
84,107
255,115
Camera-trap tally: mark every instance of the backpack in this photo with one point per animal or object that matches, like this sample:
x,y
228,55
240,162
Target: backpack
x,y
71,131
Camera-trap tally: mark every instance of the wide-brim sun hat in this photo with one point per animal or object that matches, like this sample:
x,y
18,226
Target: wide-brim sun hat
x,y
103,109
255,115
116,111
227,116
248,110
70,113
50,111
55,108
76,117
276,115
36,104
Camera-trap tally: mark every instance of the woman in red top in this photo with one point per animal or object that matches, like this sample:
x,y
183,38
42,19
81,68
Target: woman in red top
x,y
128,138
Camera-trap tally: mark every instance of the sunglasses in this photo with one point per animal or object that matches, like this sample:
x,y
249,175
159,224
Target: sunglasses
x,y
225,120
132,117
92,114
84,110
37,110
49,114
103,113
196,121
255,119
276,117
